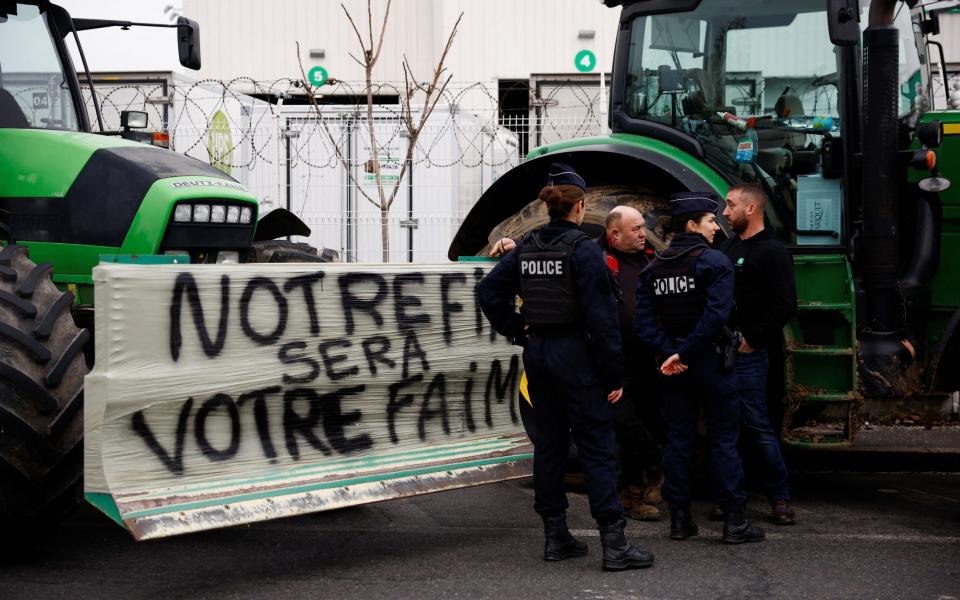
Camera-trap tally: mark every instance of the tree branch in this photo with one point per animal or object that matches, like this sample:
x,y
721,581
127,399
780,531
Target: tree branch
x,y
333,141
427,107
357,60
355,30
383,29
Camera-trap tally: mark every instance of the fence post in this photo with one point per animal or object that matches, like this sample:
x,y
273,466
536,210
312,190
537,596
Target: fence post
x,y
280,149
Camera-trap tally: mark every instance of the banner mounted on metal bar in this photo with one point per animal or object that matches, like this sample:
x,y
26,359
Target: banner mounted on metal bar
x,y
240,393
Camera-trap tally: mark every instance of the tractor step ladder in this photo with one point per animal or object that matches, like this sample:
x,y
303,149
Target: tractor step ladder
x,y
821,353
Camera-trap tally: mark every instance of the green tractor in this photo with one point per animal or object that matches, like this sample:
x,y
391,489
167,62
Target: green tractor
x,y
70,198
828,105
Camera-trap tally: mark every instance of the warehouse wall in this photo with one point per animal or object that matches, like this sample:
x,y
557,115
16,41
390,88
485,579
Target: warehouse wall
x,y
497,38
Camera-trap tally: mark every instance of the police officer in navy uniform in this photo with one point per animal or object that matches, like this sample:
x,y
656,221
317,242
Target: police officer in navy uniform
x,y
568,325
684,303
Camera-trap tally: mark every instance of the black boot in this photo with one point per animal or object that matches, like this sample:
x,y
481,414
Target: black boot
x,y
681,524
560,543
618,553
737,529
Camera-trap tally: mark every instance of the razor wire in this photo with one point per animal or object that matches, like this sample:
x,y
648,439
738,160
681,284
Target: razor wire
x,y
469,115
315,159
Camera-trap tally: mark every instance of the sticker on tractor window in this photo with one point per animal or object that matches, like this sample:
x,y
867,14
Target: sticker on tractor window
x,y
746,150
208,183
41,101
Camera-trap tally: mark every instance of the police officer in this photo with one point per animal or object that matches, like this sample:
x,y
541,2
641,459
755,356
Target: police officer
x,y
684,301
568,325
637,415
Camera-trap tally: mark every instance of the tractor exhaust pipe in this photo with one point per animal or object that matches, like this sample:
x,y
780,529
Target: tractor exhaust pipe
x,y
884,355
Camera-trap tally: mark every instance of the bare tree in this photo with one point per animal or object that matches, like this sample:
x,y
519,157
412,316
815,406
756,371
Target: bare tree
x,y
413,123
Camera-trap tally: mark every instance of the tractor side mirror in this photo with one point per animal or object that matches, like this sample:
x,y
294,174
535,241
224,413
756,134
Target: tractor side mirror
x,y
133,119
188,42
930,134
843,22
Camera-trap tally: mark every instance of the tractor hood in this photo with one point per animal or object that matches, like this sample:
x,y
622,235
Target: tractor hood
x,y
81,188
39,163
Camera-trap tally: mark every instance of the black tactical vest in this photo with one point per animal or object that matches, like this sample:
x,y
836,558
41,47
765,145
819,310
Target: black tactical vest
x,y
546,280
678,296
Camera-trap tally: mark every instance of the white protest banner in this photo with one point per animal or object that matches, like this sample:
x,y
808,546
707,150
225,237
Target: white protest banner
x,y
226,394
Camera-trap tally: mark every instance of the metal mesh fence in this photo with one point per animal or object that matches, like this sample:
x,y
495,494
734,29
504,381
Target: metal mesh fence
x,y
316,160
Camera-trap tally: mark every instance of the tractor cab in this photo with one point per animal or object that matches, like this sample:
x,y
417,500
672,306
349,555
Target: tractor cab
x,y
38,84
756,89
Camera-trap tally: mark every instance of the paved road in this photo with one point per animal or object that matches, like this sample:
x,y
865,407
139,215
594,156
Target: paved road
x,y
859,536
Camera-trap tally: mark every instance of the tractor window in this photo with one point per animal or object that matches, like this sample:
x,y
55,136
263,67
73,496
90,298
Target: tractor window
x,y
756,84
714,73
33,91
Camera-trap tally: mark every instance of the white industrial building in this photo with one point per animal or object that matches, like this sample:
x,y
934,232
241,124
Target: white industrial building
x,y
497,39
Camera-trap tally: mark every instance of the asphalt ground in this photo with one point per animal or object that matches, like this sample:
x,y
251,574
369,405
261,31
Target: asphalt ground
x,y
859,535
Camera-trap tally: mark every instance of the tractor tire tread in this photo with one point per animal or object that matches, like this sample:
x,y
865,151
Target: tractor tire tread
x,y
29,284
42,369
45,325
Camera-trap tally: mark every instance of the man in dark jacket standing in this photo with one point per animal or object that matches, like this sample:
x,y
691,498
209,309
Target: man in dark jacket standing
x,y
766,299
638,414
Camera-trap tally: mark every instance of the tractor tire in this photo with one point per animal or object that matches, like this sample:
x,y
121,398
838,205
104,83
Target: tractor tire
x,y
42,367
282,251
598,201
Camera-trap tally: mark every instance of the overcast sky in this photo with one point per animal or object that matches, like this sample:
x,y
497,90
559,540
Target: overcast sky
x,y
138,49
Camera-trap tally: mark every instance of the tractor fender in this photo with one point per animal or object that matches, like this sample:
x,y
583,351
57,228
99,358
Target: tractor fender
x,y
925,259
278,223
608,163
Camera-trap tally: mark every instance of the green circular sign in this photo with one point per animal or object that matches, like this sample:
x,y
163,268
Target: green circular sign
x,y
585,61
317,76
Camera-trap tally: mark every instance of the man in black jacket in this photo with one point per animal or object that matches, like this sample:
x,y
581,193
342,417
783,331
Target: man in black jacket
x,y
766,299
637,416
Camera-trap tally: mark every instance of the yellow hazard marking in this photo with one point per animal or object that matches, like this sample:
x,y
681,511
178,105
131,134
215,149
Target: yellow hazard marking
x,y
951,128
524,392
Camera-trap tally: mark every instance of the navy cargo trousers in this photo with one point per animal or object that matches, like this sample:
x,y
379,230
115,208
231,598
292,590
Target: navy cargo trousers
x,y
704,382
567,402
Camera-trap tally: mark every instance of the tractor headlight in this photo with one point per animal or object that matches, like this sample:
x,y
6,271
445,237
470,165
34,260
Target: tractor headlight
x,y
218,213
201,213
246,214
233,214
183,213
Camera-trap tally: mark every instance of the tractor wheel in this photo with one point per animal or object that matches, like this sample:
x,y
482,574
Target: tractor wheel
x,y
42,367
282,251
598,201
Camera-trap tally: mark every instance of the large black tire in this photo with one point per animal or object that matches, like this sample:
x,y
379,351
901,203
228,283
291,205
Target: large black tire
x,y
598,202
42,367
